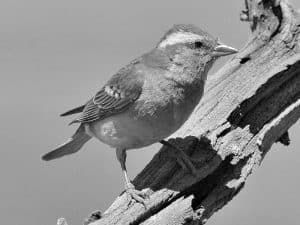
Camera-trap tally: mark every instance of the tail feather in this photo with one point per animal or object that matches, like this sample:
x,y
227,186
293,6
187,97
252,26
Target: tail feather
x,y
72,145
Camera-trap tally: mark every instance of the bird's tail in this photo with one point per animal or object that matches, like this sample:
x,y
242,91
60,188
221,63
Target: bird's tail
x,y
72,145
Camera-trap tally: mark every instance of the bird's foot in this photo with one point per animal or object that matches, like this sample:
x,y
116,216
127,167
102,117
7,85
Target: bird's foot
x,y
184,161
135,195
186,164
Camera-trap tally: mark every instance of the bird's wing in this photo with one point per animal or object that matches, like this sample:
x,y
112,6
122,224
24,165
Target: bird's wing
x,y
78,109
117,95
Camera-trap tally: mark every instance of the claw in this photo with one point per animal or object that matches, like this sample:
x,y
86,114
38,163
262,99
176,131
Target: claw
x,y
136,195
185,162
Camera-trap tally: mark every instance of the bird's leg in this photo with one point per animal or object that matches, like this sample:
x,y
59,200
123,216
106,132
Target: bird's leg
x,y
134,194
182,159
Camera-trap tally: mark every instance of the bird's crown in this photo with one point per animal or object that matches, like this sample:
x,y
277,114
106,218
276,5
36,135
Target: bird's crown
x,y
184,33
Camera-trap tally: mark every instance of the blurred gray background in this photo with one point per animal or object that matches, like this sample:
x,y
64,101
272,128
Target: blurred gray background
x,y
55,55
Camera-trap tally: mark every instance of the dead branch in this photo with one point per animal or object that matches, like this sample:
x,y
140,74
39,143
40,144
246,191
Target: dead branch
x,y
251,103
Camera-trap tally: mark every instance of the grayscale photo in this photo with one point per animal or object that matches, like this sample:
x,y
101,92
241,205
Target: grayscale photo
x,y
150,112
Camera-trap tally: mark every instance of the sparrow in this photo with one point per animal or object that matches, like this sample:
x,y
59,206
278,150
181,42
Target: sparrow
x,y
148,99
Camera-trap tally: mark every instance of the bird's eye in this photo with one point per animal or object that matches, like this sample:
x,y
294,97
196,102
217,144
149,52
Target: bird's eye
x,y
198,44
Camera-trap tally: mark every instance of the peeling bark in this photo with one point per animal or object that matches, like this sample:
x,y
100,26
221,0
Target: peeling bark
x,y
249,105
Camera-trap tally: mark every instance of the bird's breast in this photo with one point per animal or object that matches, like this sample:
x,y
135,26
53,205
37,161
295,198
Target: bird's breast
x,y
154,116
168,103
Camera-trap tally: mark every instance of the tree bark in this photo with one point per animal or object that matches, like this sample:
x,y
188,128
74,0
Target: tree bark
x,y
250,104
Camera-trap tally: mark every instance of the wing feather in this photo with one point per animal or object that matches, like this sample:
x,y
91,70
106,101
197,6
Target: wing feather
x,y
123,89
73,111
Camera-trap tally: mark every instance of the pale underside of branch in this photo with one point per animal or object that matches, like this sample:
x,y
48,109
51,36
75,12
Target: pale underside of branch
x,y
249,105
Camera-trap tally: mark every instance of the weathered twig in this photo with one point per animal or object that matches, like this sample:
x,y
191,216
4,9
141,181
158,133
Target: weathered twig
x,y
251,103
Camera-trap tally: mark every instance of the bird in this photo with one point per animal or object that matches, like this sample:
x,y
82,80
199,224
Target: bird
x,y
149,99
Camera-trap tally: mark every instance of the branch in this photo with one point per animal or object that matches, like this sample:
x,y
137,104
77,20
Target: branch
x,y
250,104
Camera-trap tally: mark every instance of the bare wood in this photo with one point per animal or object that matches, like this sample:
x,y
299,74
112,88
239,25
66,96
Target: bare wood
x,y
250,104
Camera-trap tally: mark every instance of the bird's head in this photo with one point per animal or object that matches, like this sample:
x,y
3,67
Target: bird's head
x,y
187,37
191,49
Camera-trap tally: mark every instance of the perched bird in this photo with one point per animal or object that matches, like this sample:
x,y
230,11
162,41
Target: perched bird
x,y
149,99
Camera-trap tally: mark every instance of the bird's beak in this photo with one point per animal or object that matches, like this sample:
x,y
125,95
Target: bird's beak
x,y
222,50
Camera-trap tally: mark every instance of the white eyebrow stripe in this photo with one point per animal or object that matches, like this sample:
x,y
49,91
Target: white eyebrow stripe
x,y
180,37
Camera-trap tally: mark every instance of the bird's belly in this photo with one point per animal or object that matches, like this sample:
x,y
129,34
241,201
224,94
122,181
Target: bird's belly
x,y
137,128
125,131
